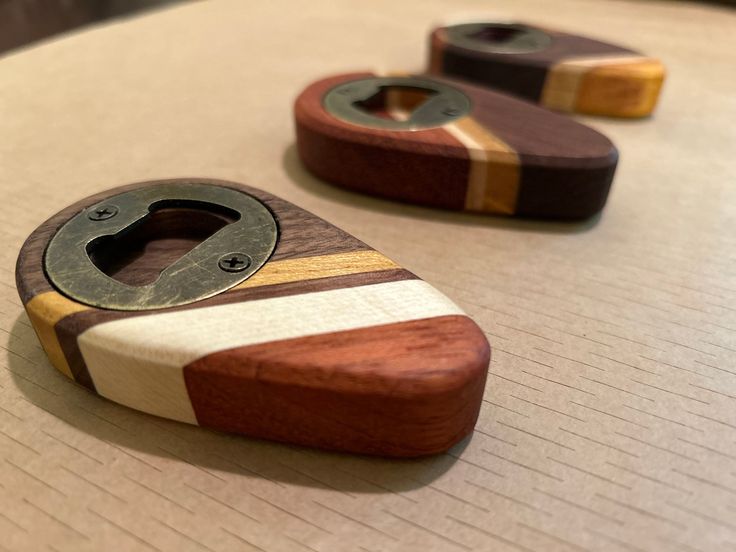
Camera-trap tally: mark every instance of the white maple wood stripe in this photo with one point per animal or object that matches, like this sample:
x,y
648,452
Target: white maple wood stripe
x,y
563,80
139,361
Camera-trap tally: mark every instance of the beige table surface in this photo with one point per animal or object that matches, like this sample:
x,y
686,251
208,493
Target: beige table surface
x,y
609,421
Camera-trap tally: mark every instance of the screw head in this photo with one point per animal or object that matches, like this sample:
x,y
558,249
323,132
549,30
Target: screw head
x,y
234,262
103,212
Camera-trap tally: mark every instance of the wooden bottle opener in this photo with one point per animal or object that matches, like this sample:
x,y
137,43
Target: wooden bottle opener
x,y
218,304
442,143
558,70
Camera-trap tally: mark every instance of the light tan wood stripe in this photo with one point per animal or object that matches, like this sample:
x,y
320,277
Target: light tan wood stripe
x,y
628,85
44,311
324,266
493,183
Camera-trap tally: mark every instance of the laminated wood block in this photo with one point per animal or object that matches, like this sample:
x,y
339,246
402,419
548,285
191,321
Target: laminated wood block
x,y
443,143
558,70
327,343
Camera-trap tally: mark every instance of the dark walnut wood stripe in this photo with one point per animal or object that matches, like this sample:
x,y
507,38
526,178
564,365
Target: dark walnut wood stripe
x,y
523,74
382,396
70,327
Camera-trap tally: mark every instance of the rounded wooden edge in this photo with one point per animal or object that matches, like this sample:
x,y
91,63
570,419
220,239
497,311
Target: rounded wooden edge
x,y
113,350
628,89
550,167
575,74
563,46
389,403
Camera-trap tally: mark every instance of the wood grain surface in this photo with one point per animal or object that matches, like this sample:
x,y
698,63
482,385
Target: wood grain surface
x,y
571,73
609,419
505,157
417,393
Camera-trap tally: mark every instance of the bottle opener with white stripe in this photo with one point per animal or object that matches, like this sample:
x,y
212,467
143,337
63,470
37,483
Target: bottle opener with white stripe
x,y
218,304
558,70
442,143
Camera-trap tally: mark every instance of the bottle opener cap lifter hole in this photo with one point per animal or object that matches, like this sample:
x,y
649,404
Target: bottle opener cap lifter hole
x,y
225,259
431,104
501,38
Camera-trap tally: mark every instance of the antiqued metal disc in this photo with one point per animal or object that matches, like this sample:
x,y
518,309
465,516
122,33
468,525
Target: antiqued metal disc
x,y
444,103
225,259
498,38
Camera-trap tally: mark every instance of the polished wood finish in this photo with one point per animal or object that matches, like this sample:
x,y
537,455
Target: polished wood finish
x,y
573,73
330,344
506,157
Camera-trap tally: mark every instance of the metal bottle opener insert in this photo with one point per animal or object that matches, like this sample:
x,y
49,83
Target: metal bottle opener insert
x,y
498,38
443,103
225,259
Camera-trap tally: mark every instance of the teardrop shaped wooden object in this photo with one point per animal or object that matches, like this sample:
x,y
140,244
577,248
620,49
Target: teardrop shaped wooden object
x,y
558,70
504,156
329,344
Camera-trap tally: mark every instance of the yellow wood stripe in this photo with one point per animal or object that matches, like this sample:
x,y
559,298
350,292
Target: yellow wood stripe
x,y
311,268
628,89
608,85
44,311
493,183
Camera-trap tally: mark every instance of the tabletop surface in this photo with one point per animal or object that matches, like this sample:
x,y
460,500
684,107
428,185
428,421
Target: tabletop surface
x,y
609,419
